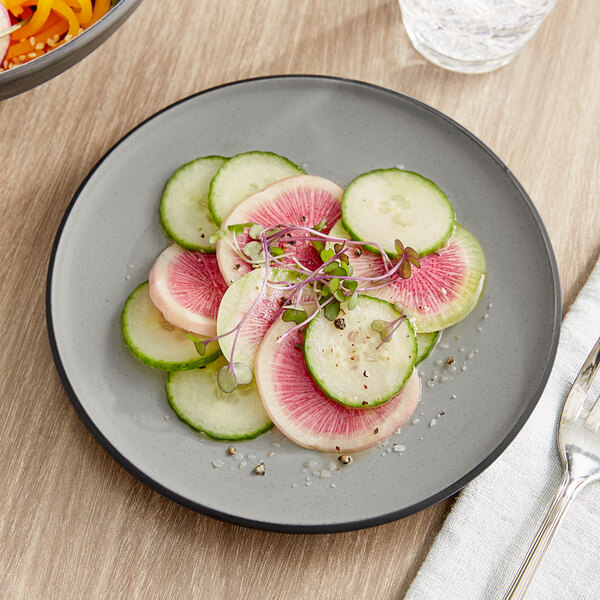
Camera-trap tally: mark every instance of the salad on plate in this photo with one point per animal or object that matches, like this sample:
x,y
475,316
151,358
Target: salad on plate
x,y
284,300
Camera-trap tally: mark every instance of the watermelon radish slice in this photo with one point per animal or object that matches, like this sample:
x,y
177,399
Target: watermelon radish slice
x,y
4,40
238,300
302,412
187,288
442,292
304,200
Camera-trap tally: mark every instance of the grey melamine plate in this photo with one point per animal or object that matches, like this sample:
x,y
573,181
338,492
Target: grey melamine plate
x,y
336,128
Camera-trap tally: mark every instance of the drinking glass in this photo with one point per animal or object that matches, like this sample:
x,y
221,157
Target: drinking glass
x,y
472,36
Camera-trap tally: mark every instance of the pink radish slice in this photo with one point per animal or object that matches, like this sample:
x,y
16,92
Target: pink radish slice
x,y
442,292
303,200
5,40
187,288
238,300
302,412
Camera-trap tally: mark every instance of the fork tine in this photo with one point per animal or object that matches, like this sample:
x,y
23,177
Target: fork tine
x,y
577,395
592,421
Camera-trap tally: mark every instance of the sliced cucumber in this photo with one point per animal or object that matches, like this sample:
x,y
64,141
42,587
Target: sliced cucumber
x,y
155,341
198,402
388,204
345,362
425,344
184,212
244,175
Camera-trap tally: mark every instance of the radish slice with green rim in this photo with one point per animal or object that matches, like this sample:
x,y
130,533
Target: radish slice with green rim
x,y
155,341
445,289
388,204
439,294
244,175
184,212
305,200
354,364
199,403
306,416
238,300
187,288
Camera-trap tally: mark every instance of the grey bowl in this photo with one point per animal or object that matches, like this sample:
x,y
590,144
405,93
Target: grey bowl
x,y
47,66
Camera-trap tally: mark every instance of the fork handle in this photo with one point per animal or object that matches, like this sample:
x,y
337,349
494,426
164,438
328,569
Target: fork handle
x,y
564,496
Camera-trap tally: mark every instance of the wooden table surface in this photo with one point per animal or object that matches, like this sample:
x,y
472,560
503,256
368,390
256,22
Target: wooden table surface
x,y
74,524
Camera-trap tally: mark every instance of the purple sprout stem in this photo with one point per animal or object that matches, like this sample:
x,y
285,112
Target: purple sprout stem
x,y
306,321
322,236
260,293
238,327
395,325
311,276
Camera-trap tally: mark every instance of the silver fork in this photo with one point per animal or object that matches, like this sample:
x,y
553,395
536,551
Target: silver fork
x,y
579,449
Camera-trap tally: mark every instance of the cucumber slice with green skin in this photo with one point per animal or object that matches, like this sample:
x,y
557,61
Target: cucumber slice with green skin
x,y
425,344
156,342
244,175
197,401
347,364
184,212
388,204
238,300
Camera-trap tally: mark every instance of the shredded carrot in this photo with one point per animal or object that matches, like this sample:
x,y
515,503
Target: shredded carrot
x,y
83,10
51,24
55,26
100,8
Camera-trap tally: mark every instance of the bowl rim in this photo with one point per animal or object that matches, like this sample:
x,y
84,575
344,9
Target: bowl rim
x,y
62,58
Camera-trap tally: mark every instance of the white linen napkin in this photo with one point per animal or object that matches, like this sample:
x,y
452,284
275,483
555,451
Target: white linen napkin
x,y
487,534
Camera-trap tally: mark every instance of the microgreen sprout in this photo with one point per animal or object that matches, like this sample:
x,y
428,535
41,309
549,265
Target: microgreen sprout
x,y
332,285
386,329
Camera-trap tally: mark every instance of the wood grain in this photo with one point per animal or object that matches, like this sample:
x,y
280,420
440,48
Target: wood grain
x,y
74,524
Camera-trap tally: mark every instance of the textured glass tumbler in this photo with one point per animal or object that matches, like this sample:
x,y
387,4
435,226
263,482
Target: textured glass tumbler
x,y
472,36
